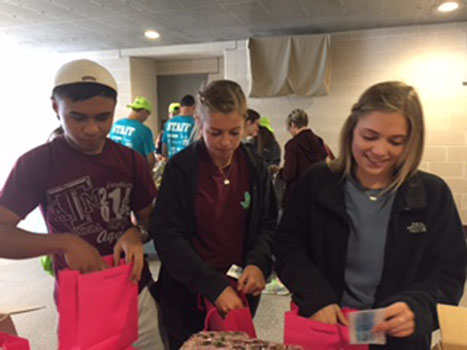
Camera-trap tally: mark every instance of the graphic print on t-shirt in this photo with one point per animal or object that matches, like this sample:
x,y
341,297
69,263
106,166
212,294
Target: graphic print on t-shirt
x,y
80,208
123,134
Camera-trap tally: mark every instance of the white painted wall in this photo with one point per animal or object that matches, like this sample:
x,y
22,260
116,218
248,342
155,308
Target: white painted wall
x,y
143,74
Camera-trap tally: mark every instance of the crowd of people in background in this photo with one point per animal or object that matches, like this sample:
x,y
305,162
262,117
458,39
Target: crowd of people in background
x,y
362,229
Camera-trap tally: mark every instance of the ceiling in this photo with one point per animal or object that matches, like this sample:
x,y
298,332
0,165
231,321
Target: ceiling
x,y
89,25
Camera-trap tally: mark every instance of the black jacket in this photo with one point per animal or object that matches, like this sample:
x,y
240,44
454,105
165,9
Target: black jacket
x,y
173,225
424,262
301,151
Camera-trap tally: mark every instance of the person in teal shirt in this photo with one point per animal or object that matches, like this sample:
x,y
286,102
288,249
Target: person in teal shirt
x,y
179,131
132,133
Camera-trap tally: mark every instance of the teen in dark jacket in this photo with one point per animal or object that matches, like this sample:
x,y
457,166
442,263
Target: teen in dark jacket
x,y
216,208
369,230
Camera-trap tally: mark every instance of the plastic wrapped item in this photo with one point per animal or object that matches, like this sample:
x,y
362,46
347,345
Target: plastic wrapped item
x,y
231,341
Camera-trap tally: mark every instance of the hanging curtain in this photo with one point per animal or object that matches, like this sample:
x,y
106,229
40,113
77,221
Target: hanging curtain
x,y
281,66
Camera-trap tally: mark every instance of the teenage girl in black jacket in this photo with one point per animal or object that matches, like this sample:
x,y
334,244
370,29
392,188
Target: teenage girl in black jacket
x,y
369,230
215,208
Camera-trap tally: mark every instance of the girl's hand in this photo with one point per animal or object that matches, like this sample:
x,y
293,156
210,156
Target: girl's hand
x,y
399,321
251,281
330,314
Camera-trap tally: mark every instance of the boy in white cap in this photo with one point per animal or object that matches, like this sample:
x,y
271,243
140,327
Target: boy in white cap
x,y
86,186
131,132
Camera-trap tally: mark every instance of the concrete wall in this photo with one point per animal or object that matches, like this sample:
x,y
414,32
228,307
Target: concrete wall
x,y
143,79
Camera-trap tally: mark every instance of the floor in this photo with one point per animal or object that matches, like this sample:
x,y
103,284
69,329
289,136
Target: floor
x,y
23,283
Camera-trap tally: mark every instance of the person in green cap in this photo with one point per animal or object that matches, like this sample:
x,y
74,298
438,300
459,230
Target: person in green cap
x,y
266,122
132,133
180,130
174,109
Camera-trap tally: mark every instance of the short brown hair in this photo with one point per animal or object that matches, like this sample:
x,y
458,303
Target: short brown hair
x,y
297,117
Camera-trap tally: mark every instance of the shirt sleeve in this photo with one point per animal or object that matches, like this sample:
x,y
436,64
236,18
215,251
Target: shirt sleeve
x,y
164,134
144,190
22,190
148,145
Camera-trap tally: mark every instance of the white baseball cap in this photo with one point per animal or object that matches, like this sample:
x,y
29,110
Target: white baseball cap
x,y
84,71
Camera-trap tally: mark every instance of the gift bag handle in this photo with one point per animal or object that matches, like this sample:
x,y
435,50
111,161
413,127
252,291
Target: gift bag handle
x,y
209,314
208,317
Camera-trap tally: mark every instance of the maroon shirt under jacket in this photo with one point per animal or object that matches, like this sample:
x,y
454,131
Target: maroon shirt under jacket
x,y
222,210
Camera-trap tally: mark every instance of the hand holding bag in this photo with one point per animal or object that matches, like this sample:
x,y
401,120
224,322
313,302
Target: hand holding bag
x,y
11,342
239,320
98,310
314,335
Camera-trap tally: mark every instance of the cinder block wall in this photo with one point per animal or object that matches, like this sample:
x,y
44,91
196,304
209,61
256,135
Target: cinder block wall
x,y
432,58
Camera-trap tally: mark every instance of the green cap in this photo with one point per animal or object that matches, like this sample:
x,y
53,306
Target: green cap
x,y
141,103
174,106
266,122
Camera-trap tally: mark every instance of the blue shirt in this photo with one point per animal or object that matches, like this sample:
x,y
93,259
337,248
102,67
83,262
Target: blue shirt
x,y
178,133
369,211
133,134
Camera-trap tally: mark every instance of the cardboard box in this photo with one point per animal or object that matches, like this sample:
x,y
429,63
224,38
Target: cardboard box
x,y
6,323
453,327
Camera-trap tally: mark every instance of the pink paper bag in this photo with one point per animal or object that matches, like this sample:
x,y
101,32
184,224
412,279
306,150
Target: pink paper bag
x,y
98,310
313,335
239,320
11,342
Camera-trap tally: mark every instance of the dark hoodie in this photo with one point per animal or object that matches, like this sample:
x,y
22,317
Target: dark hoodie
x,y
303,150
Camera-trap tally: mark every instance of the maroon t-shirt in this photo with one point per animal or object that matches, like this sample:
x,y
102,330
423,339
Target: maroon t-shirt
x,y
91,196
222,210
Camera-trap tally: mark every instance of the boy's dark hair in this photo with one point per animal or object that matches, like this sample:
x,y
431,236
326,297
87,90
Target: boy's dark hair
x,y
83,91
251,115
187,101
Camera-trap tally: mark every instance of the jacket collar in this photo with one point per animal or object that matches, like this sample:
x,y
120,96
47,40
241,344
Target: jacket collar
x,y
331,192
412,194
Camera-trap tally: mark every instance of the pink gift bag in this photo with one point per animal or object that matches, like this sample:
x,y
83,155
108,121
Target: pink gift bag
x,y
313,335
98,310
11,342
239,320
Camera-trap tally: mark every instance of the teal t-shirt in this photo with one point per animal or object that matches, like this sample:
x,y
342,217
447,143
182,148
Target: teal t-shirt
x,y
133,134
178,133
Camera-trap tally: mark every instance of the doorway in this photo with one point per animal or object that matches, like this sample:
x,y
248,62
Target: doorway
x,y
171,88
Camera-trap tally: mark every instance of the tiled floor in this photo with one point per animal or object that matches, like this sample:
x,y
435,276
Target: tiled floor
x,y
24,283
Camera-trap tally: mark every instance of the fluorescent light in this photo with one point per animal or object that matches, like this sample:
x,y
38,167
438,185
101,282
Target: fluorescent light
x,y
448,6
151,34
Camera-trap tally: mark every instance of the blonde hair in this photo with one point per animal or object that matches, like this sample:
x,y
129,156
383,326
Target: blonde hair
x,y
224,96
386,97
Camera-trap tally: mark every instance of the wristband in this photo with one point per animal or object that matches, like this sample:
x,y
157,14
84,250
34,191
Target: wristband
x,y
145,237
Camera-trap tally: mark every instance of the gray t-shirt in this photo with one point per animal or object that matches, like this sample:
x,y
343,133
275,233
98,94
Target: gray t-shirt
x,y
369,211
